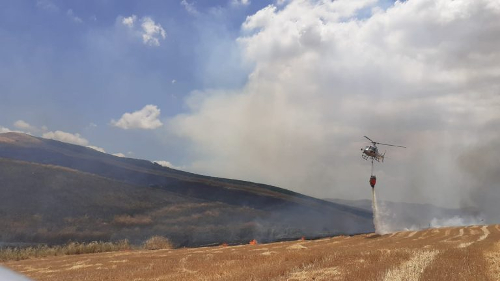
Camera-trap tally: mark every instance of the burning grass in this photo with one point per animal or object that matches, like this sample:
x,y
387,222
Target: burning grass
x,y
424,255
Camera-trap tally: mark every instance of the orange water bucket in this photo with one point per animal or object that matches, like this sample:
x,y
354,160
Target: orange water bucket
x,y
373,181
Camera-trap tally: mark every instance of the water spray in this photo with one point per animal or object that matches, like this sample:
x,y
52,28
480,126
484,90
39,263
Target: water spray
x,y
376,222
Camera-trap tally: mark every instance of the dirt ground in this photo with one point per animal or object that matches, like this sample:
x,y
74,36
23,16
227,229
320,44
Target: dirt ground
x,y
458,253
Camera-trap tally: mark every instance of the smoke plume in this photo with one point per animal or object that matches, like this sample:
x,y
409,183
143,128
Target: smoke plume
x,y
423,74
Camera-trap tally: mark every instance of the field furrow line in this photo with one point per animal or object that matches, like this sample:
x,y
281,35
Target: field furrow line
x,y
411,234
486,232
392,234
474,231
411,269
422,235
428,234
454,238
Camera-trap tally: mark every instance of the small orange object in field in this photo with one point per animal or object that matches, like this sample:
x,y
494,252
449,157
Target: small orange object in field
x,y
303,238
253,242
224,244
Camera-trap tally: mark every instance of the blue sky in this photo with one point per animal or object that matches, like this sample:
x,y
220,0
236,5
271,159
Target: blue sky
x,y
71,65
280,92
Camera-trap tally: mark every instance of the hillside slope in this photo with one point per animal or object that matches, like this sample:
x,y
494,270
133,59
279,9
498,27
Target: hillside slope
x,y
458,253
53,192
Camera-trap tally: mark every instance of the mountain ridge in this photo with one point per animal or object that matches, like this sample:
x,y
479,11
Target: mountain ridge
x,y
256,210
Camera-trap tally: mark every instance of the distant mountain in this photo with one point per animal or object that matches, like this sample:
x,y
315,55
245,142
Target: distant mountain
x,y
54,192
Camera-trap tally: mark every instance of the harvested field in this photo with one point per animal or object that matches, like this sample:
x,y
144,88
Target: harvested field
x,y
456,253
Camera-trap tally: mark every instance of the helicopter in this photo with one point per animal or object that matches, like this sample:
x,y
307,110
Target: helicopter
x,y
371,151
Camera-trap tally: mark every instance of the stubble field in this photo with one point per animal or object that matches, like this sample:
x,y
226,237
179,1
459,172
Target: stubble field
x,y
457,253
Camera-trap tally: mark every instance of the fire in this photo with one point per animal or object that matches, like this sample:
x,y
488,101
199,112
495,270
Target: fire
x,y
253,242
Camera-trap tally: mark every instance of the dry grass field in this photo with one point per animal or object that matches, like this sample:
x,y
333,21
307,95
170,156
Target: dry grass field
x,y
456,253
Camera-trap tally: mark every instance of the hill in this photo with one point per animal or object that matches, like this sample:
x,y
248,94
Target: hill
x,y
54,192
456,253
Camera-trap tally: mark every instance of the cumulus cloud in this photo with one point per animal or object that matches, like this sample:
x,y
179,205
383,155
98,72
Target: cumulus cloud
x,y
4,130
152,32
146,28
129,21
146,118
23,125
66,137
424,74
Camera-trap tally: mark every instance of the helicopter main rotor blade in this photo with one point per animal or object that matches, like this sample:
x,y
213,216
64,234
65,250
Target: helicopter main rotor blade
x,y
369,139
391,145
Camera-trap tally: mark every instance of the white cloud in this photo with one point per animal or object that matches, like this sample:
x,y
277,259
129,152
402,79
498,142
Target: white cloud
x,y
152,32
119,154
100,149
240,2
424,74
47,5
261,18
190,8
5,130
66,137
20,124
149,31
72,16
129,21
146,118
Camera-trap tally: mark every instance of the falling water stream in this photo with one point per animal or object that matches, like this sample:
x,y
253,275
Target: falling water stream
x,y
376,217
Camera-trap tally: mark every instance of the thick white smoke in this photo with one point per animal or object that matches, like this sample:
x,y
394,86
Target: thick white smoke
x,y
424,74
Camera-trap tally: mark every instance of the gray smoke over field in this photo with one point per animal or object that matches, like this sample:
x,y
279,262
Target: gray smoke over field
x,y
420,73
482,164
